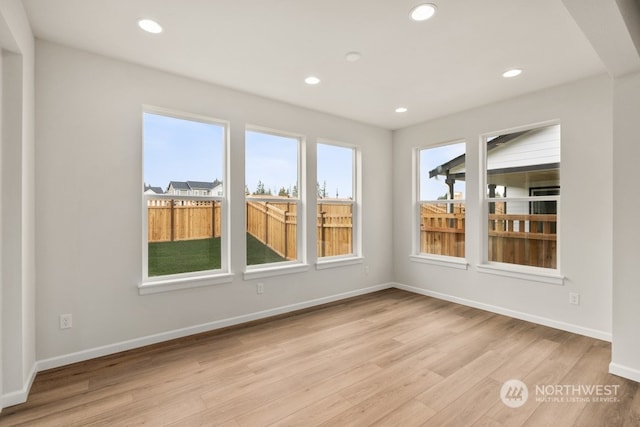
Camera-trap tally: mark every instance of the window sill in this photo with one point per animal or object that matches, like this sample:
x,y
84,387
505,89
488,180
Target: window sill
x,y
334,262
535,274
441,261
258,272
177,284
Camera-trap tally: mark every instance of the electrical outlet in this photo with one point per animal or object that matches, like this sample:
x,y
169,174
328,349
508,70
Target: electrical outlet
x,y
366,269
66,321
574,298
260,288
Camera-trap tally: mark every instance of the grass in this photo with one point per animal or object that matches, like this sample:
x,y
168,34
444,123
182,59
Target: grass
x,y
203,254
183,256
259,253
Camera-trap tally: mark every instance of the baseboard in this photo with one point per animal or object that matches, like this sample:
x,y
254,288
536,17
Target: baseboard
x,y
106,350
19,396
569,327
624,371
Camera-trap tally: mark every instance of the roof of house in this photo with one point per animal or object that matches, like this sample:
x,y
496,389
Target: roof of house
x,y
200,185
178,185
444,168
156,190
194,185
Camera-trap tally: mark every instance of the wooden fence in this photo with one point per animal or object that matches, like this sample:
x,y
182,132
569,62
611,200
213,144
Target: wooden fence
x,y
442,232
170,220
275,225
515,239
335,229
523,239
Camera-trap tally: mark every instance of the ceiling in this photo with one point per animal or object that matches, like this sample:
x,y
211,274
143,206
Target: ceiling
x,y
267,47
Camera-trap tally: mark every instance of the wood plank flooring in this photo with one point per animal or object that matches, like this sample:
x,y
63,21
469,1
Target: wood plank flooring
x,y
389,358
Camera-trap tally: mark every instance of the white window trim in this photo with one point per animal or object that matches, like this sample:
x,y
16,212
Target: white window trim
x,y
441,261
355,257
260,271
525,272
338,261
416,255
181,283
257,271
151,285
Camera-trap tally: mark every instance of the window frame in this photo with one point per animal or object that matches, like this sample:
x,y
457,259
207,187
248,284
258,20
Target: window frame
x,y
355,256
520,271
256,271
179,281
416,254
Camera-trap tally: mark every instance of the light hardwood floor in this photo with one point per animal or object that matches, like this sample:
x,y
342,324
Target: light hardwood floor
x,y
387,359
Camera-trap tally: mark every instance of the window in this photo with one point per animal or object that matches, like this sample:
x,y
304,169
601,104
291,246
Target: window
x,y
441,204
273,193
184,231
522,197
336,171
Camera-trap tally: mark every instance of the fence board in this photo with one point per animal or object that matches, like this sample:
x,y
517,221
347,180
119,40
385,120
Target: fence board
x,y
170,220
334,229
516,239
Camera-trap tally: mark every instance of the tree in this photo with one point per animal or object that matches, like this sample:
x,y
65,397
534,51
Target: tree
x,y
322,191
294,192
283,192
260,189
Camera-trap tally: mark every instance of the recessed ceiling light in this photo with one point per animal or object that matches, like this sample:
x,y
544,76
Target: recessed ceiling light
x,y
401,110
353,56
422,12
150,26
312,80
512,73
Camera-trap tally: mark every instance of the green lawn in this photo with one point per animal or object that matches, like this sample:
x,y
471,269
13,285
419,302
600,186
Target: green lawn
x,y
197,255
258,253
183,256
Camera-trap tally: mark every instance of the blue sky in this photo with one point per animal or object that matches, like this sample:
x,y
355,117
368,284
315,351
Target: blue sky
x,y
335,168
181,150
432,188
187,150
271,159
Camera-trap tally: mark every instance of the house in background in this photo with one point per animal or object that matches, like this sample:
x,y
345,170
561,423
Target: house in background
x,y
195,188
519,165
151,190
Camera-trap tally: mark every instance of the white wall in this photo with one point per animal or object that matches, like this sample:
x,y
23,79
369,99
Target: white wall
x,y
88,161
584,111
17,281
626,228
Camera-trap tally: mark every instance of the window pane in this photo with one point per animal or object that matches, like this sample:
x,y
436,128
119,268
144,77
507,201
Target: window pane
x,y
271,165
272,197
335,172
524,165
182,151
442,229
184,236
335,182
442,177
335,229
520,163
518,235
182,158
442,172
